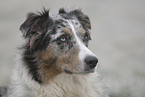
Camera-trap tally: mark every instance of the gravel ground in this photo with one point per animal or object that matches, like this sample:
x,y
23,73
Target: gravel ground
x,y
118,39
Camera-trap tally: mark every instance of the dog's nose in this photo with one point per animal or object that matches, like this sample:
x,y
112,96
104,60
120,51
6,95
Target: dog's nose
x,y
91,61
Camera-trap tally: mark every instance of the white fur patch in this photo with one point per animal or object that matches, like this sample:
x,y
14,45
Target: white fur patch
x,y
84,51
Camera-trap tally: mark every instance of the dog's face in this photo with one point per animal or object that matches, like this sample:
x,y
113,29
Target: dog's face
x,y
58,43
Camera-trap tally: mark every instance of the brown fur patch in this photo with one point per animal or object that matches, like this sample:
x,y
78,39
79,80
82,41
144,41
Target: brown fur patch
x,y
47,67
81,32
67,31
50,65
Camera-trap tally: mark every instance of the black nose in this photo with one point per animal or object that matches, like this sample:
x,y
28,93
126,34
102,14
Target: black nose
x,y
91,61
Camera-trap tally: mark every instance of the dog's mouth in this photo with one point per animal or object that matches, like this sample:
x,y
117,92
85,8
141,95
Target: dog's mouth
x,y
68,72
83,72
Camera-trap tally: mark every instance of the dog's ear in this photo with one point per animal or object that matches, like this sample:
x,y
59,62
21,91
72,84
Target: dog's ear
x,y
84,19
62,11
27,25
36,23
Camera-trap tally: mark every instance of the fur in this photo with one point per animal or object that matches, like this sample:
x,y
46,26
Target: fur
x,y
54,60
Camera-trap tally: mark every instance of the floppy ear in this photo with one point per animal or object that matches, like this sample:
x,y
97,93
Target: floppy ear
x,y
27,25
35,29
36,23
84,19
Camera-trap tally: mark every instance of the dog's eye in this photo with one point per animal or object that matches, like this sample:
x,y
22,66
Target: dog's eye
x,y
62,38
87,37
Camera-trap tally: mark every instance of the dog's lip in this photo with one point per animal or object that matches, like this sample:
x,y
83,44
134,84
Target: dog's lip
x,y
67,71
85,72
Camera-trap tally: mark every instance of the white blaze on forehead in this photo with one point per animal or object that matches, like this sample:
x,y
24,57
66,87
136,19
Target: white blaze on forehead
x,y
84,51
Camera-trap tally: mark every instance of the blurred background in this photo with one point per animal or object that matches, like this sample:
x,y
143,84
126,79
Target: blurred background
x,y
118,39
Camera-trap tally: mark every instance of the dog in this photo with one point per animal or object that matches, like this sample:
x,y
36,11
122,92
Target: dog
x,y
54,60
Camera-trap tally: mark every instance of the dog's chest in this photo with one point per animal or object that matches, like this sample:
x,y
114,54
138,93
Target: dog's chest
x,y
60,92
70,87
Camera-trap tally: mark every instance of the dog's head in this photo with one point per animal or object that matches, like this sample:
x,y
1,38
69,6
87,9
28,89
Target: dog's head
x,y
58,43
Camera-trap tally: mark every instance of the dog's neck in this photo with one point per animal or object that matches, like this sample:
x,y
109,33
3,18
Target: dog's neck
x,y
63,85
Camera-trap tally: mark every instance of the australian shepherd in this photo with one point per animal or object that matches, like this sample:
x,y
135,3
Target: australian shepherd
x,y
55,60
